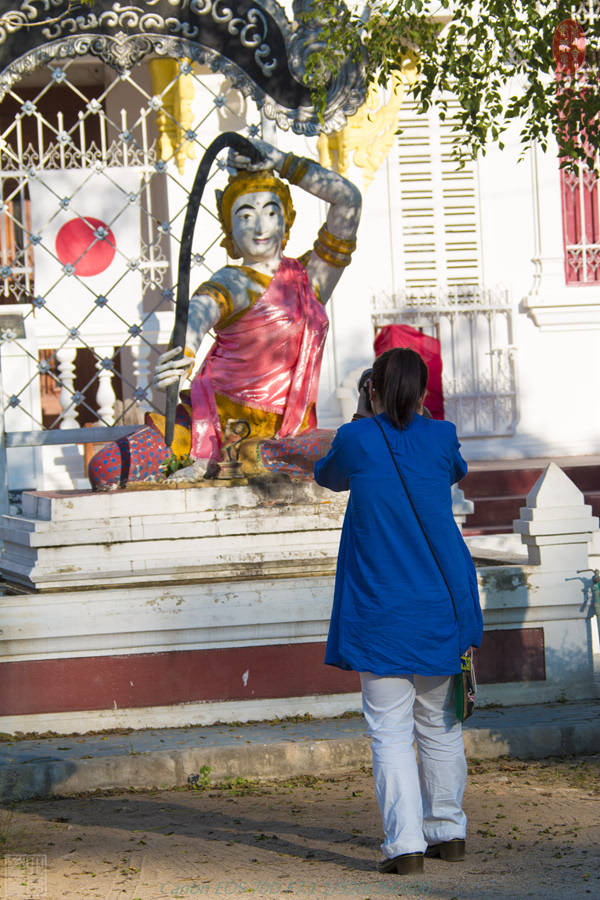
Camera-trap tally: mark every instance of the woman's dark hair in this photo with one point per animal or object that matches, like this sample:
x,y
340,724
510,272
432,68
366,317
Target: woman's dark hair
x,y
400,378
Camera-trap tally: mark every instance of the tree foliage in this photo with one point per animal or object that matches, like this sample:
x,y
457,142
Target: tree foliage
x,y
494,56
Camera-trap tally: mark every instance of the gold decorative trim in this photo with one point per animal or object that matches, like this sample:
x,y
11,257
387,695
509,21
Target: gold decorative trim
x,y
304,258
337,244
369,134
174,119
252,297
294,168
286,165
190,354
337,260
220,295
299,168
255,275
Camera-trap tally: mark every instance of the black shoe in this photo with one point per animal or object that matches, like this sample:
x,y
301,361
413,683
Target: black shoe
x,y
405,864
451,851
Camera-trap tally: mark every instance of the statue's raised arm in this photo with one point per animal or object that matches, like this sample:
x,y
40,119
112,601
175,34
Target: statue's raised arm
x,y
331,253
267,313
333,249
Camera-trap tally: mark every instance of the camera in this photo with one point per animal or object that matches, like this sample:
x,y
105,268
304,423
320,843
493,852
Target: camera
x,y
364,385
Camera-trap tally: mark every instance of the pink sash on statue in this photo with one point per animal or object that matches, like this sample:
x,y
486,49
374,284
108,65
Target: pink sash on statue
x,y
268,359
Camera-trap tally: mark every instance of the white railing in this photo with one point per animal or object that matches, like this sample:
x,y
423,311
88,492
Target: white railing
x,y
475,330
45,322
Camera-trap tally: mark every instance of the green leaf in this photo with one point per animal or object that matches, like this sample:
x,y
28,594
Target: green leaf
x,y
495,57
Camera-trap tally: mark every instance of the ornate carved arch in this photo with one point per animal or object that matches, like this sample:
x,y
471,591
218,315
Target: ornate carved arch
x,y
250,41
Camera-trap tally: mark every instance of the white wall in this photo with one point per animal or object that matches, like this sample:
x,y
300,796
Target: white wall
x,y
558,375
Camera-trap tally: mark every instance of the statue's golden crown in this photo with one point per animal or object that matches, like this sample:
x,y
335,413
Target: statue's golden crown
x,y
250,183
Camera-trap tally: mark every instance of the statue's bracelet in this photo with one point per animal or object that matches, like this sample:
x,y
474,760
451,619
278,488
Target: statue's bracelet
x,y
294,168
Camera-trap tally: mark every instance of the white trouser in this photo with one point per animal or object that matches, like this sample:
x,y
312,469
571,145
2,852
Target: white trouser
x,y
420,804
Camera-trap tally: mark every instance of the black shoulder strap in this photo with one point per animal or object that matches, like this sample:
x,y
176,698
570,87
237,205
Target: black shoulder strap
x,y
418,518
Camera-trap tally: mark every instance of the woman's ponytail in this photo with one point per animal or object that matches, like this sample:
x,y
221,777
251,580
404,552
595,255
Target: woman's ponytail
x,y
400,379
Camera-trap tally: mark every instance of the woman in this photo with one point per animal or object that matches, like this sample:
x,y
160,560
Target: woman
x,y
268,312
268,316
405,608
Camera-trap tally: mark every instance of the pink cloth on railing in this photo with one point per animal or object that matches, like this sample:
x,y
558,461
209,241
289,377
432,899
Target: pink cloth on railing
x,y
268,359
429,348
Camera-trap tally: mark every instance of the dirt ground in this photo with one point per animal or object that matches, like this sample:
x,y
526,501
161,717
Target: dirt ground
x,y
534,831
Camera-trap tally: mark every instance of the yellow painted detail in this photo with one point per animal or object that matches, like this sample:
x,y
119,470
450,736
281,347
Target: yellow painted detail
x,y
368,135
221,296
190,354
175,116
258,277
182,436
262,424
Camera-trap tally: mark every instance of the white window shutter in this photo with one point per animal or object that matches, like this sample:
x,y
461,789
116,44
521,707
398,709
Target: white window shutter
x,y
439,204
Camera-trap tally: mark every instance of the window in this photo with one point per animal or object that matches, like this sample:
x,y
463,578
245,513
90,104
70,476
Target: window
x,y
440,220
581,226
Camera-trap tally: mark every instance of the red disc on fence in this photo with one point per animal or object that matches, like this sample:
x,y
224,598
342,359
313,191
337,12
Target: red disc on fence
x,y
568,46
88,244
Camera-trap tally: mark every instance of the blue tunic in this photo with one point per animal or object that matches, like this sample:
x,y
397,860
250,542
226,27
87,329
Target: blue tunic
x,y
392,611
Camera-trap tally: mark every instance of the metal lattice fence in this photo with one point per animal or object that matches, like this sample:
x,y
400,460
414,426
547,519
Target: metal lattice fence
x,y
95,167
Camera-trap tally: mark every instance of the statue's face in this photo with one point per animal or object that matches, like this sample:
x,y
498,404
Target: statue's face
x,y
258,226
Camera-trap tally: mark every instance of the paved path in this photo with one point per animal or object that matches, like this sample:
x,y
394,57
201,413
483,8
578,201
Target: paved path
x,y
533,832
166,758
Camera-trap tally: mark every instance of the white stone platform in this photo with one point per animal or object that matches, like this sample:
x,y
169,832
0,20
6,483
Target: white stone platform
x,y
82,539
226,569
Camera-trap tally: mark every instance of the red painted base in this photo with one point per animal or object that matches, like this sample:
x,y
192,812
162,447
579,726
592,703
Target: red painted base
x,y
511,654
161,679
246,673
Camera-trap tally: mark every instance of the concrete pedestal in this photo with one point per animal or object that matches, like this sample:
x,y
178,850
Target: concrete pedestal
x,y
206,604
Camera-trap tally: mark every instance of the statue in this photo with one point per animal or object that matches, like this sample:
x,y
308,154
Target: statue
x,y
268,316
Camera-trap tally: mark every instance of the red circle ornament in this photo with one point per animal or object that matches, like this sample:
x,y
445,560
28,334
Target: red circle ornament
x,y
88,244
568,46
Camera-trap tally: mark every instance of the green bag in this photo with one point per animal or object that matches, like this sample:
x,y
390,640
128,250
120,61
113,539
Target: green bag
x,y
465,688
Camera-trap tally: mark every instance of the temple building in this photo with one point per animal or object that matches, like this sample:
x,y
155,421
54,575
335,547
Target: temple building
x,y
165,607
104,119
